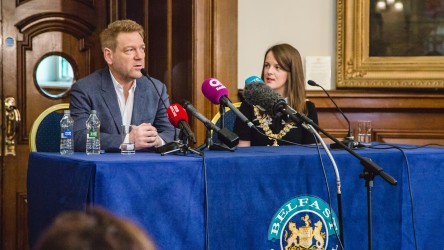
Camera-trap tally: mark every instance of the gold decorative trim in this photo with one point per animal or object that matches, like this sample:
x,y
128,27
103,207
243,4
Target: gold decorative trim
x,y
355,68
216,117
36,124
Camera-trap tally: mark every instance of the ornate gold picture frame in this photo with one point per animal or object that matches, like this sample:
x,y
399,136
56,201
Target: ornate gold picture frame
x,y
357,67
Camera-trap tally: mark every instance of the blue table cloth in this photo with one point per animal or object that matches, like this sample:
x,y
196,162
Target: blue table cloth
x,y
253,198
161,193
247,188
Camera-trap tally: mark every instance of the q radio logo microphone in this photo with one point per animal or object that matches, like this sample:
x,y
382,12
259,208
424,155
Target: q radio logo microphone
x,y
304,222
216,84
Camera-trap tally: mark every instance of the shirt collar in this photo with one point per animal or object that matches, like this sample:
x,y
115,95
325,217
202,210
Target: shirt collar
x,y
117,84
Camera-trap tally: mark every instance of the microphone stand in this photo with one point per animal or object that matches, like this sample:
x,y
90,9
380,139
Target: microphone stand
x,y
349,140
214,146
179,145
338,180
370,171
209,136
222,115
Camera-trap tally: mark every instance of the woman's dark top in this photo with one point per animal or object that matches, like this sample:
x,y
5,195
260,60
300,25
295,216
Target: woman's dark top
x,y
296,133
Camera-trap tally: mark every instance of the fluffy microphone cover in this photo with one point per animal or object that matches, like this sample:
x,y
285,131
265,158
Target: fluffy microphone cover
x,y
259,94
213,90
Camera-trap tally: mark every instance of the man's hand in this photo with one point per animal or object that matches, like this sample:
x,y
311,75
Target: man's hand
x,y
145,136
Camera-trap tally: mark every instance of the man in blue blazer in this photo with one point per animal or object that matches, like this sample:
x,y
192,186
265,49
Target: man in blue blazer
x,y
121,95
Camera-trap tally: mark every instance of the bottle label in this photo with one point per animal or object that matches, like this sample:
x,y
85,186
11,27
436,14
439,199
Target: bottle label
x,y
92,133
67,133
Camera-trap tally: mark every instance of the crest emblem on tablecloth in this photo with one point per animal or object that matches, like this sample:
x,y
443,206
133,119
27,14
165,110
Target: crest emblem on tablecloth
x,y
304,222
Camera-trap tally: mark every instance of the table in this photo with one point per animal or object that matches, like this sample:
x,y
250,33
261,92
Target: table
x,y
163,194
245,191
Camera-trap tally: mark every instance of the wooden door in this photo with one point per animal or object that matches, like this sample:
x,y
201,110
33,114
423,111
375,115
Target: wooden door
x,y
32,30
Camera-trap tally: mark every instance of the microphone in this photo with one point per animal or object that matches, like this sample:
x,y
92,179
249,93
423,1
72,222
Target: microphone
x,y
253,79
349,140
263,97
170,146
179,118
144,73
217,93
226,136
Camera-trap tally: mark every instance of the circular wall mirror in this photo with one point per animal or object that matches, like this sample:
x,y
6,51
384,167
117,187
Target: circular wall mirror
x,y
54,75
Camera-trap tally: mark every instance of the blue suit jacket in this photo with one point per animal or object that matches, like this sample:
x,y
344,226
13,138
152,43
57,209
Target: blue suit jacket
x,y
96,91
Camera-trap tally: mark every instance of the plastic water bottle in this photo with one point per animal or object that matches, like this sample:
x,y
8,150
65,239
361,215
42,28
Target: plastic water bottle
x,y
93,134
66,134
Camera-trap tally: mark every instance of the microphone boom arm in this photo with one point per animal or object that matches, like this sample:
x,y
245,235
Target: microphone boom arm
x,y
349,140
340,110
368,164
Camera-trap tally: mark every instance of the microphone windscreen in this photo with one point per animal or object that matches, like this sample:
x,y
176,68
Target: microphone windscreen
x,y
143,71
176,113
213,90
312,83
259,94
253,79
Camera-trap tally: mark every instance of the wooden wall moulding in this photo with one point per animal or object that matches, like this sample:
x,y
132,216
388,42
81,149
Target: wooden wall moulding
x,y
409,136
22,220
20,2
51,21
90,3
388,48
406,118
40,25
371,99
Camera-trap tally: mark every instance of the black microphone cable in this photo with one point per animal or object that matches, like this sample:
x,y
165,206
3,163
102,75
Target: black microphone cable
x,y
402,150
339,238
383,146
207,240
317,146
144,73
349,140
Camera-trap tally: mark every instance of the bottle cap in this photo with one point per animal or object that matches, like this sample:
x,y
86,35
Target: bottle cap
x,y
93,111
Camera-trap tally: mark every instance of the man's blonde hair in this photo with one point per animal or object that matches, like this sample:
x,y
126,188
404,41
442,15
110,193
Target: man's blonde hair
x,y
109,35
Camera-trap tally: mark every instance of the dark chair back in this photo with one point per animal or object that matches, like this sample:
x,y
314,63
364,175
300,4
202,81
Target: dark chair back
x,y
229,119
45,131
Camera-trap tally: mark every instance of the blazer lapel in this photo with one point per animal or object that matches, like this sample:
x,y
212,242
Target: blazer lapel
x,y
110,97
140,105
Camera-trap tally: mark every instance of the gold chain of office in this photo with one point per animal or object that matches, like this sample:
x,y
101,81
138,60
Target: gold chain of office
x,y
264,125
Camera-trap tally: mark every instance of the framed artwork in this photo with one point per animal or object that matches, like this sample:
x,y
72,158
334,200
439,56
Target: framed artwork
x,y
390,44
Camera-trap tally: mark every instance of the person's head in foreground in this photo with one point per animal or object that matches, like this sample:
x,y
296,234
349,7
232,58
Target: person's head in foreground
x,y
95,229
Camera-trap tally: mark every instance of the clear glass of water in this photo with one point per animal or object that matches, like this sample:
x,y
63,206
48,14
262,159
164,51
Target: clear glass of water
x,y
365,132
127,147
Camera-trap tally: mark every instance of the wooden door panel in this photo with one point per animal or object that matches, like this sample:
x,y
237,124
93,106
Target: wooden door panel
x,y
39,28
42,45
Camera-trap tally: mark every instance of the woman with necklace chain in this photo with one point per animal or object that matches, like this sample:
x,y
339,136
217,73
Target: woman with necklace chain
x,y
282,71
